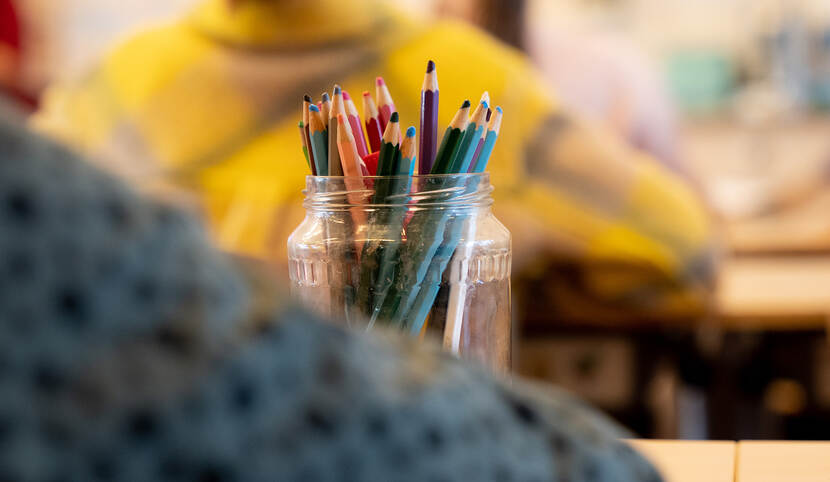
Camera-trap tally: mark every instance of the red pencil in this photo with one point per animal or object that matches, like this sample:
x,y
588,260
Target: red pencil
x,y
385,104
372,120
356,125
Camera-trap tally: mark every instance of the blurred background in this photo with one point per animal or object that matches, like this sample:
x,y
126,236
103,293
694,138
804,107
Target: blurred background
x,y
733,93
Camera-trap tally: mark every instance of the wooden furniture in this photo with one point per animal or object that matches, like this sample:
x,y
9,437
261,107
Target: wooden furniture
x,y
745,461
759,461
690,461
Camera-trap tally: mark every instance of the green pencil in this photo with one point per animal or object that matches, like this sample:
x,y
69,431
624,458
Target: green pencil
x,y
451,140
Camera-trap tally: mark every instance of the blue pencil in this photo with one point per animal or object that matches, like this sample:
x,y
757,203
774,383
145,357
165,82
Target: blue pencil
x,y
489,141
469,141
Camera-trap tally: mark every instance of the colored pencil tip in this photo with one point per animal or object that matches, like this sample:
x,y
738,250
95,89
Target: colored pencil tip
x,y
465,104
336,89
410,131
498,108
484,103
430,66
300,124
341,119
307,98
325,96
313,108
393,117
366,93
346,96
379,81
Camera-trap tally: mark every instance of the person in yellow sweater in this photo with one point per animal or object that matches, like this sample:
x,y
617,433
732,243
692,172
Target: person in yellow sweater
x,y
209,106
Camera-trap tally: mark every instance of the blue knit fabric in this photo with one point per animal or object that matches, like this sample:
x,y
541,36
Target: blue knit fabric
x,y
131,350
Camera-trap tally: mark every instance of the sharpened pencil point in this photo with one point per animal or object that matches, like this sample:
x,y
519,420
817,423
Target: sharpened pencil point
x,y
313,108
346,96
325,96
307,98
484,103
366,93
336,89
499,109
300,124
430,66
465,104
379,81
410,131
394,117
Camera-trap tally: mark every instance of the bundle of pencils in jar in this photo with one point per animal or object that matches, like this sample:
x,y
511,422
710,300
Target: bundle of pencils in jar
x,y
403,228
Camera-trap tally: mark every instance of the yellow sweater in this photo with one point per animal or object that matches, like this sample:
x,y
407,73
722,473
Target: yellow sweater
x,y
210,104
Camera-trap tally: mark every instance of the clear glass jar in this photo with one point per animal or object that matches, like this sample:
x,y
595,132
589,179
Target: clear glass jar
x,y
424,254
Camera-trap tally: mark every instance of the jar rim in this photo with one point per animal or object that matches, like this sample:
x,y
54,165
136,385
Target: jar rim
x,y
431,191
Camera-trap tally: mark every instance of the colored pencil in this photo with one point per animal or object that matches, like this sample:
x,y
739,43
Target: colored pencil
x,y
352,169
301,126
489,141
485,97
385,104
407,164
469,141
371,117
429,119
337,108
319,140
325,107
390,147
380,256
306,103
450,142
356,125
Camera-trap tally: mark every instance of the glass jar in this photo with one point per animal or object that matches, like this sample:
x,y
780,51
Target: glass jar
x,y
423,254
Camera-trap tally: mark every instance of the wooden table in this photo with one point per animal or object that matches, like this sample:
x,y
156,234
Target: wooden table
x,y
777,461
745,461
690,461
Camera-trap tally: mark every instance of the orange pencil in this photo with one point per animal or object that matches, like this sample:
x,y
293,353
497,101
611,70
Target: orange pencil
x,y
353,170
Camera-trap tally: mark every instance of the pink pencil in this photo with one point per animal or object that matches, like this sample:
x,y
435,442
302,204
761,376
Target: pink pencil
x,y
357,126
385,104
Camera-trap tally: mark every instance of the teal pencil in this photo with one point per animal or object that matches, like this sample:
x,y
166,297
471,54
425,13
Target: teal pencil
x,y
450,142
319,142
489,141
407,165
469,141
337,108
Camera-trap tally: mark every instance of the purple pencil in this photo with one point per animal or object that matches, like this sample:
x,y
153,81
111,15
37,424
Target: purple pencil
x,y
429,120
485,97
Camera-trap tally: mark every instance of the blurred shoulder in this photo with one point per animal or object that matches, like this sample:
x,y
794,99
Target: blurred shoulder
x,y
474,45
145,61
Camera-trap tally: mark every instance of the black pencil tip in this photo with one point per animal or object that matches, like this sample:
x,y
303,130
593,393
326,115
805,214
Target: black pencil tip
x,y
307,98
325,96
393,117
465,104
430,66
